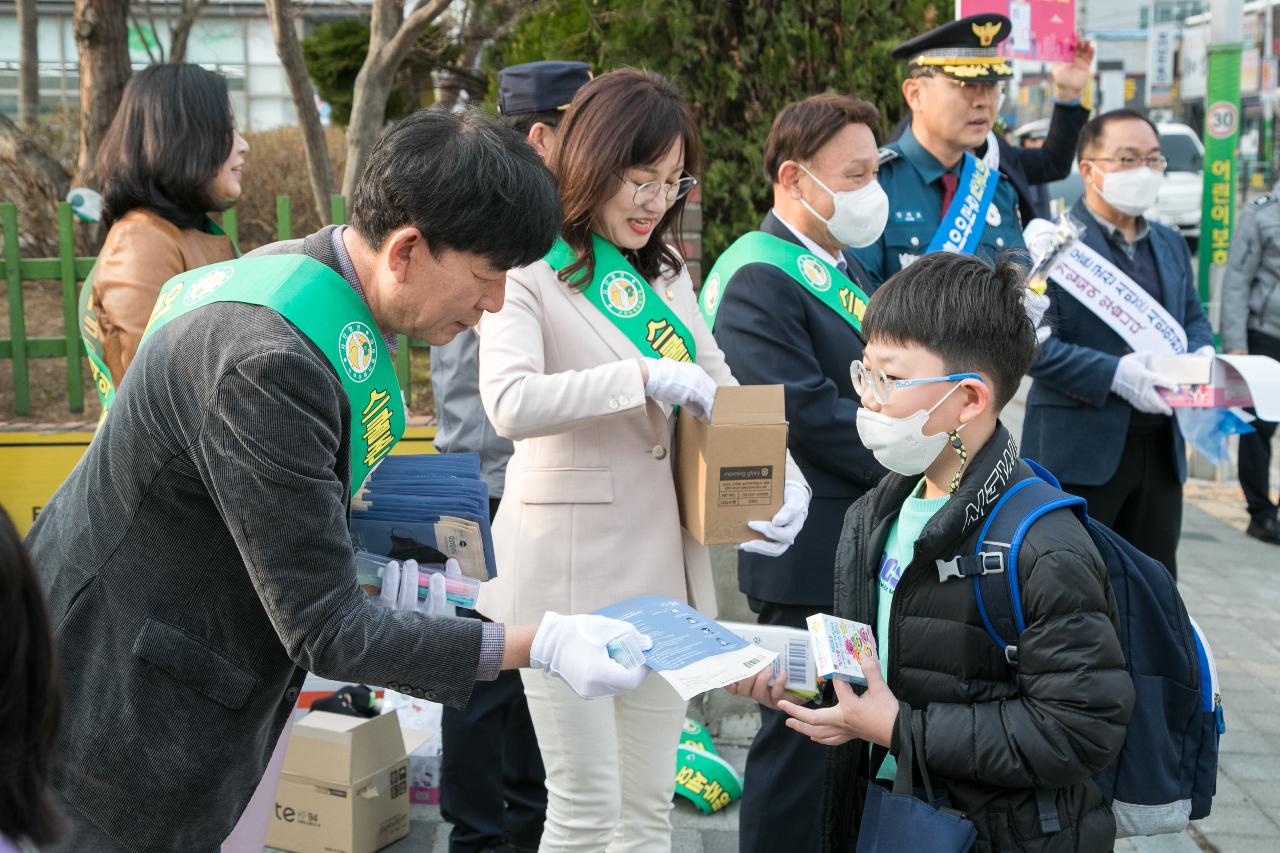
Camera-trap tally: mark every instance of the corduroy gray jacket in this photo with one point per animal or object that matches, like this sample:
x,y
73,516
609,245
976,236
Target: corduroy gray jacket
x,y
197,563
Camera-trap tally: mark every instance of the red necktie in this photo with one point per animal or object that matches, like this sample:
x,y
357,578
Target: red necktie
x,y
950,180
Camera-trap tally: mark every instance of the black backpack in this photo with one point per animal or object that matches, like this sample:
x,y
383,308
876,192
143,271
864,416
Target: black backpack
x,y
1166,772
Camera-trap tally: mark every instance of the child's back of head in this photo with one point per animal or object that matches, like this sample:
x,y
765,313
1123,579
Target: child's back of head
x,y
966,311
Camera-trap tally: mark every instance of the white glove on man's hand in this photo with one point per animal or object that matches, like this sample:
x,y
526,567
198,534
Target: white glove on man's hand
x,y
1136,382
400,585
573,649
1207,349
681,383
1035,305
782,530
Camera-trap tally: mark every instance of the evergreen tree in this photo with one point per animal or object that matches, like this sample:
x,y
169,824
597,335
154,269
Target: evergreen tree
x,y
738,63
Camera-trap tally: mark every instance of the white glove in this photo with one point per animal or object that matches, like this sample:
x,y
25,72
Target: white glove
x,y
1136,382
1207,349
1035,305
782,530
681,383
400,585
573,649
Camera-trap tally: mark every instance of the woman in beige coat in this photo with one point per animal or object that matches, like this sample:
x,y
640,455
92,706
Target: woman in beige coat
x,y
589,514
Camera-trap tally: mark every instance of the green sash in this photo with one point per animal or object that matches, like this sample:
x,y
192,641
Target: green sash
x,y
620,294
321,305
830,286
90,332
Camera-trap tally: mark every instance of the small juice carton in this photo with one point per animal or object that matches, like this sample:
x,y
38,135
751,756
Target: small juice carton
x,y
834,642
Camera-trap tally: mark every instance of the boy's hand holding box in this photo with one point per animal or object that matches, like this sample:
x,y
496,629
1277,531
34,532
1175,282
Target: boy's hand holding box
x,y
836,643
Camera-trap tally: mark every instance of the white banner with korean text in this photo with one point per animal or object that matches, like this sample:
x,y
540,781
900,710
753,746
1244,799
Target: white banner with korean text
x,y
1120,302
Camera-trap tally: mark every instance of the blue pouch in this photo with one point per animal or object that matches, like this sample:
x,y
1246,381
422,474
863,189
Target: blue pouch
x,y
900,821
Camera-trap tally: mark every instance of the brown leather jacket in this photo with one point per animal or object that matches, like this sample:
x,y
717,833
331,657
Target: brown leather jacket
x,y
142,252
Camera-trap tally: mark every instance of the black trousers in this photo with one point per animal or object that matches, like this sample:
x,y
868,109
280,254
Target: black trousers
x,y
784,781
1143,499
492,783
1255,447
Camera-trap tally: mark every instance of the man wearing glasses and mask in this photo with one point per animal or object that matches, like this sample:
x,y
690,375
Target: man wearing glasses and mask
x,y
951,185
1095,416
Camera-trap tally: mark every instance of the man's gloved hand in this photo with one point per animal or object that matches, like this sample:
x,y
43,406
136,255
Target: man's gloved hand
x,y
782,530
400,585
1136,382
1207,349
680,383
1035,304
573,649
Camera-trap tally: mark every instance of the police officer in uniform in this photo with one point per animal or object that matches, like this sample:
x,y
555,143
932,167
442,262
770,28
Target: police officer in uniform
x,y
954,85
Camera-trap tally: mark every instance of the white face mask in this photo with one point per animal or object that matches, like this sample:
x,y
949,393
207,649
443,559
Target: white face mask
x,y
858,217
900,444
1133,192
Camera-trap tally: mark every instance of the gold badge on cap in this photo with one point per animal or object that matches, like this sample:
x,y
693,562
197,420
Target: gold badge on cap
x,y
986,32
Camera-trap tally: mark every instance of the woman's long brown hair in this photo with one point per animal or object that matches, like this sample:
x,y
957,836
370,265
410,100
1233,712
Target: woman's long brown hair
x,y
620,120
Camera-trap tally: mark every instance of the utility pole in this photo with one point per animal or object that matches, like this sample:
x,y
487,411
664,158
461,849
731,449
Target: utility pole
x,y
1221,142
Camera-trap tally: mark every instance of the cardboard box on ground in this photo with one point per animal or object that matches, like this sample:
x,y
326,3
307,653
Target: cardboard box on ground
x,y
731,469
345,785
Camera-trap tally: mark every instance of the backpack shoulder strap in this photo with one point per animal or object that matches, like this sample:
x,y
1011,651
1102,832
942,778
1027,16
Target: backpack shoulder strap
x,y
992,567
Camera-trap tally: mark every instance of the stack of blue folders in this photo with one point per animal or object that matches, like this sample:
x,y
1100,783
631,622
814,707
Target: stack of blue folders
x,y
429,508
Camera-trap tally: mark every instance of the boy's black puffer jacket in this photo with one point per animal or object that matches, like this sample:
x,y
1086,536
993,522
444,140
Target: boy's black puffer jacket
x,y
993,733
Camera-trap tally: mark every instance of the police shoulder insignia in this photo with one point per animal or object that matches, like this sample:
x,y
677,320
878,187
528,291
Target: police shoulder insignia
x,y
888,155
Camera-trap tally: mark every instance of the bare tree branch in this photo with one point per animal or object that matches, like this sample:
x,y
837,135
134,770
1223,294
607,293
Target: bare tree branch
x,y
28,63
26,157
319,168
151,57
391,37
182,29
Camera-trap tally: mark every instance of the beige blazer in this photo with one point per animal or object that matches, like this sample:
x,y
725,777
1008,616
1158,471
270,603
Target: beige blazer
x,y
588,514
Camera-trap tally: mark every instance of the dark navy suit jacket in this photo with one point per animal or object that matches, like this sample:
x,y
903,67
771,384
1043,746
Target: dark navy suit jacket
x,y
1074,425
773,332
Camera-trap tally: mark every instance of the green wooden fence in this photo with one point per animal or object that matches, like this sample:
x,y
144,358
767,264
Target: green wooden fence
x,y
69,271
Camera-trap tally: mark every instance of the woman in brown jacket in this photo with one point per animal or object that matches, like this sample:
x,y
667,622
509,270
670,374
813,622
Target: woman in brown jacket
x,y
171,155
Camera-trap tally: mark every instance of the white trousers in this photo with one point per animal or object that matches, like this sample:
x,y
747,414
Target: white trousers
x,y
611,765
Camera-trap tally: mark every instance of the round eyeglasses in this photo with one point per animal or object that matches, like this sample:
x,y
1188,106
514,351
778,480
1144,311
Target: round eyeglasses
x,y
881,386
647,192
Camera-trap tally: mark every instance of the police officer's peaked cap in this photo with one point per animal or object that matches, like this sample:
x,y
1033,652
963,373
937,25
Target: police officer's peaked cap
x,y
967,49
537,87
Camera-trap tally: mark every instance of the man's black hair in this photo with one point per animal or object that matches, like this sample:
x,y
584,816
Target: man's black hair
x,y
966,311
465,181
170,136
1091,134
522,122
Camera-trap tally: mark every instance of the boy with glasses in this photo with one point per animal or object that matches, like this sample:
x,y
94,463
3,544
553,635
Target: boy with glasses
x,y
1095,416
947,344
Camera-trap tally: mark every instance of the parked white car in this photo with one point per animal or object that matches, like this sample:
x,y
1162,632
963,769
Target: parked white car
x,y
1181,192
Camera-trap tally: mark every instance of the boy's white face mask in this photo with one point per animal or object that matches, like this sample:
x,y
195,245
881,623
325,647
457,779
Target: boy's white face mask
x,y
900,444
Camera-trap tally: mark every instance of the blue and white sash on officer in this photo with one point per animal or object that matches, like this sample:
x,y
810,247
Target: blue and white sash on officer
x,y
1119,301
966,218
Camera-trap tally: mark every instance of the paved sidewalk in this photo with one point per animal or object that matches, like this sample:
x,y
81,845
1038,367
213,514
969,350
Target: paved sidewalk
x,y
1229,583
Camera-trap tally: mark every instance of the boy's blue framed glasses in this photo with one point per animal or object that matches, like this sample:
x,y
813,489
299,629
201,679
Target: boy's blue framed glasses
x,y
882,386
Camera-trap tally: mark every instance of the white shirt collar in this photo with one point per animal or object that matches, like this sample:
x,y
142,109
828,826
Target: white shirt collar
x,y
809,244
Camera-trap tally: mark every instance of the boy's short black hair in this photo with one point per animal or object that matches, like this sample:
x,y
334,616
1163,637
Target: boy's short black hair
x,y
1091,134
966,311
465,181
522,123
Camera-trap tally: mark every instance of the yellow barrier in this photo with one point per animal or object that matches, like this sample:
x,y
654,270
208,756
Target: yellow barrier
x,y
34,464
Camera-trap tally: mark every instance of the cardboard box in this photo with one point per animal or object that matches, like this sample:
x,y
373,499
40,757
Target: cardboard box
x,y
345,785
731,470
1204,382
835,643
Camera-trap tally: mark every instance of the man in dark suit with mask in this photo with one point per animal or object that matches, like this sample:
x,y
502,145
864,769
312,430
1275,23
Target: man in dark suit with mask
x,y
786,304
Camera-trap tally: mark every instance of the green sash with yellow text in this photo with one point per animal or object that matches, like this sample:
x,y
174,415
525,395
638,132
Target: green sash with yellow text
x,y
321,305
91,334
830,286
621,295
